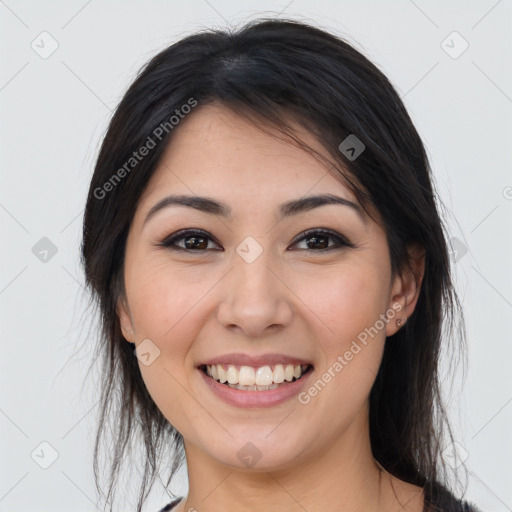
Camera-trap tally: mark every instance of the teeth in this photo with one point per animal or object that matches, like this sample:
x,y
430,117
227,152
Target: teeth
x,y
260,379
232,375
263,376
247,377
221,373
278,374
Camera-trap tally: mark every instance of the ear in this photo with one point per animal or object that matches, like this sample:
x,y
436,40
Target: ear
x,y
405,290
125,320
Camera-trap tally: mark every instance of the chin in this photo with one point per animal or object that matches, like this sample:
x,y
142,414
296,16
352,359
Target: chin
x,y
255,452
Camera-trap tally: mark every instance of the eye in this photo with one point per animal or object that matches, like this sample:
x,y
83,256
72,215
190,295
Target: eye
x,y
195,240
318,239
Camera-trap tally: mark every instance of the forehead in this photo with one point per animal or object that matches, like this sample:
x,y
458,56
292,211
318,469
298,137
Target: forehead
x,y
215,151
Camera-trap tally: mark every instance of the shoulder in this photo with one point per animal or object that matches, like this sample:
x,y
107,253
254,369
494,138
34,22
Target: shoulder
x,y
170,505
440,499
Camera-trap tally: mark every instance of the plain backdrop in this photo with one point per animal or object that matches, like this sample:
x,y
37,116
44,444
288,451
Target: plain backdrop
x,y
64,67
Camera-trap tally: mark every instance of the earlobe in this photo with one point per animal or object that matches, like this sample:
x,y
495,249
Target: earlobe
x,y
406,290
395,314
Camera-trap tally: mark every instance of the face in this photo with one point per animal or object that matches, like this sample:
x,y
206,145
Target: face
x,y
242,286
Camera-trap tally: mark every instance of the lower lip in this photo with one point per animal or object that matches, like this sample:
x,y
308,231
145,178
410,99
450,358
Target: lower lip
x,y
240,398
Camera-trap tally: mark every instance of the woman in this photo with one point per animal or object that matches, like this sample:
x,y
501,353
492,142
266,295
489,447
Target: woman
x,y
262,239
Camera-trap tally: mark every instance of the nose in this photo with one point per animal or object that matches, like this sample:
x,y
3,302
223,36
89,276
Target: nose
x,y
255,298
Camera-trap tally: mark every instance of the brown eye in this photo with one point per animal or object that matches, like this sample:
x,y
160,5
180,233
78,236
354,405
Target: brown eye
x,y
317,240
193,241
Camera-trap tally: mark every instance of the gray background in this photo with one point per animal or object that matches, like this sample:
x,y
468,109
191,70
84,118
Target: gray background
x,y
54,110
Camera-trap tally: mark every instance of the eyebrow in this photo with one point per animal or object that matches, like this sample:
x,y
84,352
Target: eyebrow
x,y
211,206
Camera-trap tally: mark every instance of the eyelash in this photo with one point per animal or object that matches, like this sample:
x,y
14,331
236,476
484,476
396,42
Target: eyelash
x,y
170,242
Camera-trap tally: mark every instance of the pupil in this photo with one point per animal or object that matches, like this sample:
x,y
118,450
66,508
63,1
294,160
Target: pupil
x,y
195,245
315,241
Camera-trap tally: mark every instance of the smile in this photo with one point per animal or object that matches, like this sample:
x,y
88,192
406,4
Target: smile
x,y
262,378
249,380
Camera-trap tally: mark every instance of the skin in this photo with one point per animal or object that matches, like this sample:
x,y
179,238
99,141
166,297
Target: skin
x,y
310,304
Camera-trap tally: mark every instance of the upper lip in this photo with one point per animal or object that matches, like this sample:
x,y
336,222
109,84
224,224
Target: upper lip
x,y
256,361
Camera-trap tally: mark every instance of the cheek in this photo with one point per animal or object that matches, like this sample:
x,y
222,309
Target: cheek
x,y
164,306
345,302
162,299
349,302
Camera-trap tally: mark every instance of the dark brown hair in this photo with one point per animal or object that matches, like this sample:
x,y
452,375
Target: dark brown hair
x,y
271,71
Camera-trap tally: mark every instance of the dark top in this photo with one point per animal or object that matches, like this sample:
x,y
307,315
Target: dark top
x,y
440,500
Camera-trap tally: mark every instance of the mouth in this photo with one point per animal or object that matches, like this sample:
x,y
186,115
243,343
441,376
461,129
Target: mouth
x,y
256,378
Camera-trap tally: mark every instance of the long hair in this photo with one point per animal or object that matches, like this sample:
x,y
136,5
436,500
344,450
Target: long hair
x,y
273,72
